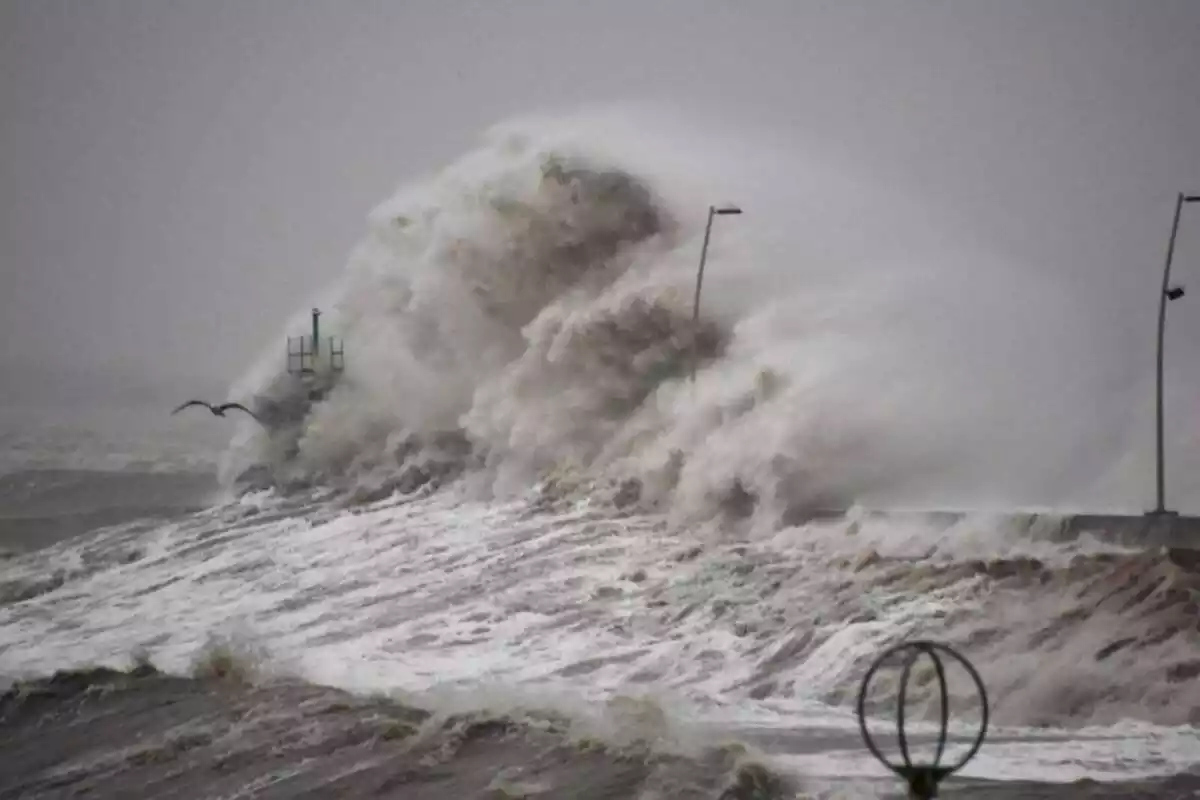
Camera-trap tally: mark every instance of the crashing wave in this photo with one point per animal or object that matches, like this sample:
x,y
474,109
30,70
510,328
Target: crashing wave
x,y
527,312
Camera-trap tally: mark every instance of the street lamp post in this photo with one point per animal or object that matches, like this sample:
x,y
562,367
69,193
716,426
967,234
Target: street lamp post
x,y
1169,292
712,212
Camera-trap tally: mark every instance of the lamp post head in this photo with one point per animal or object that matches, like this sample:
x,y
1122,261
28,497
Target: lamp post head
x,y
1191,198
729,209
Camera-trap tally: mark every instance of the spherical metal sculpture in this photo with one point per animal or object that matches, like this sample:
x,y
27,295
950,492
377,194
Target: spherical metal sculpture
x,y
922,779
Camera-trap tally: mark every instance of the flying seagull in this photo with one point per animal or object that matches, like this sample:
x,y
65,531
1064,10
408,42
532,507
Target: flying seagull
x,y
216,410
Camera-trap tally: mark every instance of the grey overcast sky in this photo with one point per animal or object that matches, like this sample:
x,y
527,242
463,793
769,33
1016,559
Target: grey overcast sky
x,y
177,176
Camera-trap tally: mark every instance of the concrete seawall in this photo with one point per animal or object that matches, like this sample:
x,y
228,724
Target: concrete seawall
x,y
1130,530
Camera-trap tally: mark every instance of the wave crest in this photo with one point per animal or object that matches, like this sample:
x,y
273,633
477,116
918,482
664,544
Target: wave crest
x,y
531,303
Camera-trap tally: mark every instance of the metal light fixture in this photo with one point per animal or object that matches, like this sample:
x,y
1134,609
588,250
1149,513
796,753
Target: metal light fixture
x,y
713,211
1168,293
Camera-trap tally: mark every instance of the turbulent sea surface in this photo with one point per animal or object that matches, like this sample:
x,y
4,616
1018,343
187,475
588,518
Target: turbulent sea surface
x,y
514,551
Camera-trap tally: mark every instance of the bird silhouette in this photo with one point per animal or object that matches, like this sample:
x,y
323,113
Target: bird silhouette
x,y
218,411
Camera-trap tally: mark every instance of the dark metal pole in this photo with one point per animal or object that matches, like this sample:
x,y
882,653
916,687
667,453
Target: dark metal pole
x,y
1166,295
316,335
696,303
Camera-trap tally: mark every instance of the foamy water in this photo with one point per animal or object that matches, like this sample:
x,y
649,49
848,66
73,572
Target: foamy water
x,y
464,605
528,504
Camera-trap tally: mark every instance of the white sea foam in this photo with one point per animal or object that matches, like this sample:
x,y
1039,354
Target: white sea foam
x,y
524,316
454,602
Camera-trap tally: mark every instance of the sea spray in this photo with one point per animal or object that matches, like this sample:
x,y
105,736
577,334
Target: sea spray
x,y
533,299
